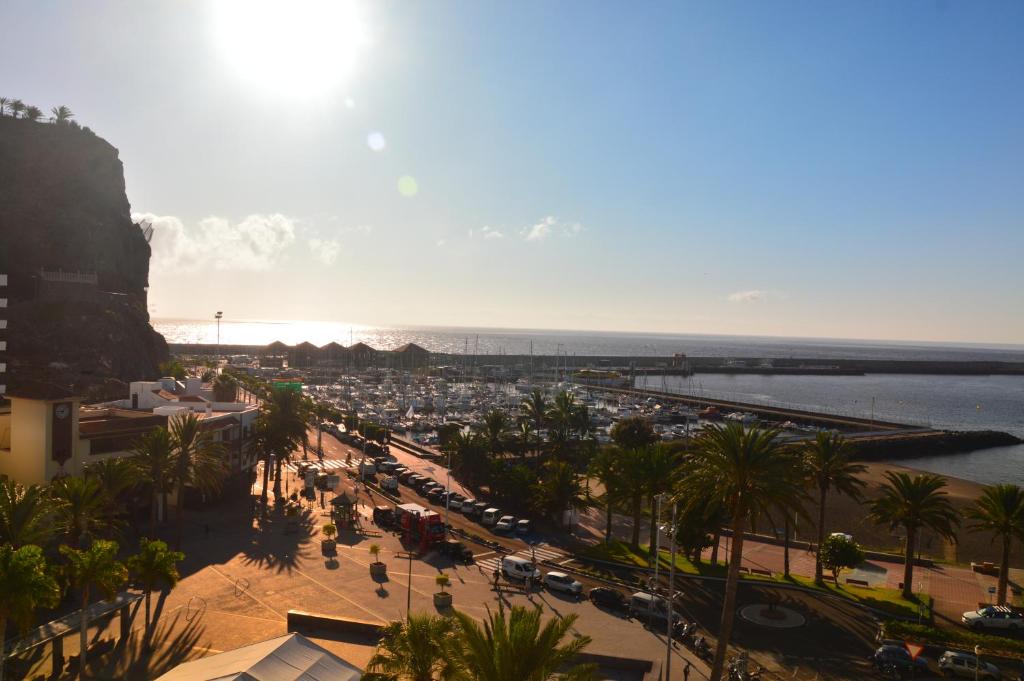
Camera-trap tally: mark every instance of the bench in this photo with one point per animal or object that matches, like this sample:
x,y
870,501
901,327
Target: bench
x,y
857,582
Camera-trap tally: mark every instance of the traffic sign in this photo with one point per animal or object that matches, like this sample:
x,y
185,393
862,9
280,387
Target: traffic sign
x,y
914,649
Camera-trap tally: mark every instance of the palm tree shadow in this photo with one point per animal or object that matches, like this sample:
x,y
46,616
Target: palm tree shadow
x,y
170,646
279,542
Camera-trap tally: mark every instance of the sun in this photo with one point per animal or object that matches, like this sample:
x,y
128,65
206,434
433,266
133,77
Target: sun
x,y
292,47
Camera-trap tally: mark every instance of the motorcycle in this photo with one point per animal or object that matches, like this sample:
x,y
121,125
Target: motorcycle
x,y
684,632
702,650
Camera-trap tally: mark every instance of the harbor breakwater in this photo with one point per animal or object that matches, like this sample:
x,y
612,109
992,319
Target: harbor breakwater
x,y
639,364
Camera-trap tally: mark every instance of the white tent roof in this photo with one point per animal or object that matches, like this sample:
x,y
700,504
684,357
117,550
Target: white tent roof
x,y
291,657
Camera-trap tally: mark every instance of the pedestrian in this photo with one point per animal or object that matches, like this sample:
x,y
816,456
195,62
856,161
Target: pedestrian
x,y
529,587
496,575
686,672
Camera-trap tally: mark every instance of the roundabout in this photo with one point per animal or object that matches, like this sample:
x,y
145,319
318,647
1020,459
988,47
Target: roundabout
x,y
771,615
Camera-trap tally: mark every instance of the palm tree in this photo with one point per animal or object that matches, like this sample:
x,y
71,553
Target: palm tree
x,y
25,585
153,565
1000,510
3,105
413,650
33,113
16,107
82,508
633,485
154,458
495,424
515,647
198,462
914,503
605,467
752,472
96,567
660,466
62,114
280,430
559,489
225,388
322,411
468,452
633,432
526,438
118,477
25,516
828,467
535,409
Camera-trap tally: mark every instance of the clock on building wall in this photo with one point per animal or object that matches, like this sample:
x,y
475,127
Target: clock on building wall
x,y
62,435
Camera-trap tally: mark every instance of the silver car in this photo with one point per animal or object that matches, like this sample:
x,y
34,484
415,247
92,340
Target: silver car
x,y
965,665
559,581
993,617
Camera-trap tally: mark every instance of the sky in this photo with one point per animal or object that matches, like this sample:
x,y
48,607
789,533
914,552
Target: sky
x,y
821,169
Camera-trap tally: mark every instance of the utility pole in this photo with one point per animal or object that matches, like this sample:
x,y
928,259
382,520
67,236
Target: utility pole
x,y
671,594
657,538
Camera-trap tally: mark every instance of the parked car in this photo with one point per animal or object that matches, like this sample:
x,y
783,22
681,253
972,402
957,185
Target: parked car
x,y
515,567
994,617
467,506
953,664
897,656
605,597
455,502
479,508
559,581
406,476
435,493
457,551
415,480
490,516
505,524
523,526
389,484
650,608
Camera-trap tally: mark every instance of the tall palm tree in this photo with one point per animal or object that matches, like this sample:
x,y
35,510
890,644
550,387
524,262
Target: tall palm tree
x,y
562,410
82,508
198,462
415,649
26,584
660,468
280,430
633,485
914,503
33,113
322,411
753,473
526,438
535,409
605,468
16,107
1000,510
225,388
468,452
96,568
559,490
152,566
513,646
495,425
25,516
828,467
119,477
154,458
62,114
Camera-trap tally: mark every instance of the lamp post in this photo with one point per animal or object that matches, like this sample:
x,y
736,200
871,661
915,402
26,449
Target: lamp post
x,y
448,492
671,593
218,317
657,538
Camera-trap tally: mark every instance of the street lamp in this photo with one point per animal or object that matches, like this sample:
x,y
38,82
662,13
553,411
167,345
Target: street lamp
x,y
218,317
671,593
657,537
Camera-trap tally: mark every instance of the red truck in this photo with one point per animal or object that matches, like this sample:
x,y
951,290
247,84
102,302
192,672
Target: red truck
x,y
421,528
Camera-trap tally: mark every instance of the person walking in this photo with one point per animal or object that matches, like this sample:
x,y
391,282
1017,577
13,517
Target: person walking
x,y
496,575
686,672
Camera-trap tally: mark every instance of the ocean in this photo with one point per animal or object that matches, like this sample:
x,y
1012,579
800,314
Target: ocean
x,y
950,402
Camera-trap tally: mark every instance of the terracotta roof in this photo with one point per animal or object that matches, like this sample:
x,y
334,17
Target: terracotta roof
x,y
411,347
361,347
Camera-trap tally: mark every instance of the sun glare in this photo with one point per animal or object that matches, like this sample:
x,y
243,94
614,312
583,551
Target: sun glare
x,y
298,47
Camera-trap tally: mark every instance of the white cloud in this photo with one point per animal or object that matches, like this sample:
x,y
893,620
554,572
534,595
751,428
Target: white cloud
x,y
254,244
751,296
550,225
324,250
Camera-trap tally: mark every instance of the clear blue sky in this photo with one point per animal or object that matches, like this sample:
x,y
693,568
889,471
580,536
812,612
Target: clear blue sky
x,y
783,168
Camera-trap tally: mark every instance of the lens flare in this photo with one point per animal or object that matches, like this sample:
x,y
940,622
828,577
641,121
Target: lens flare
x,y
407,186
376,141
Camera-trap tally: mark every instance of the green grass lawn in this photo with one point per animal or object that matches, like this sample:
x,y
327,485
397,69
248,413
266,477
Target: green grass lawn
x,y
886,600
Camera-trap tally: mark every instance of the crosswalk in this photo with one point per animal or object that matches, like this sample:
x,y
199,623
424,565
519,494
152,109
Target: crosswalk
x,y
540,552
325,465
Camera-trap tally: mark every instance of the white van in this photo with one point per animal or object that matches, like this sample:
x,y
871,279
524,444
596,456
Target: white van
x,y
515,567
490,516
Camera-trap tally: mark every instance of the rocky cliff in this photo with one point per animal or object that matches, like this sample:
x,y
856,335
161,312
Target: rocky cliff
x,y
63,209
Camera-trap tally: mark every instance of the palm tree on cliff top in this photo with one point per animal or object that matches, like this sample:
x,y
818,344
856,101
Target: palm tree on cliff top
x,y
16,107
1000,510
62,114
33,113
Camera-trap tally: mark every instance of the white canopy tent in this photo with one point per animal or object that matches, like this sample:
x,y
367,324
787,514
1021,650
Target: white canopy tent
x,y
291,657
